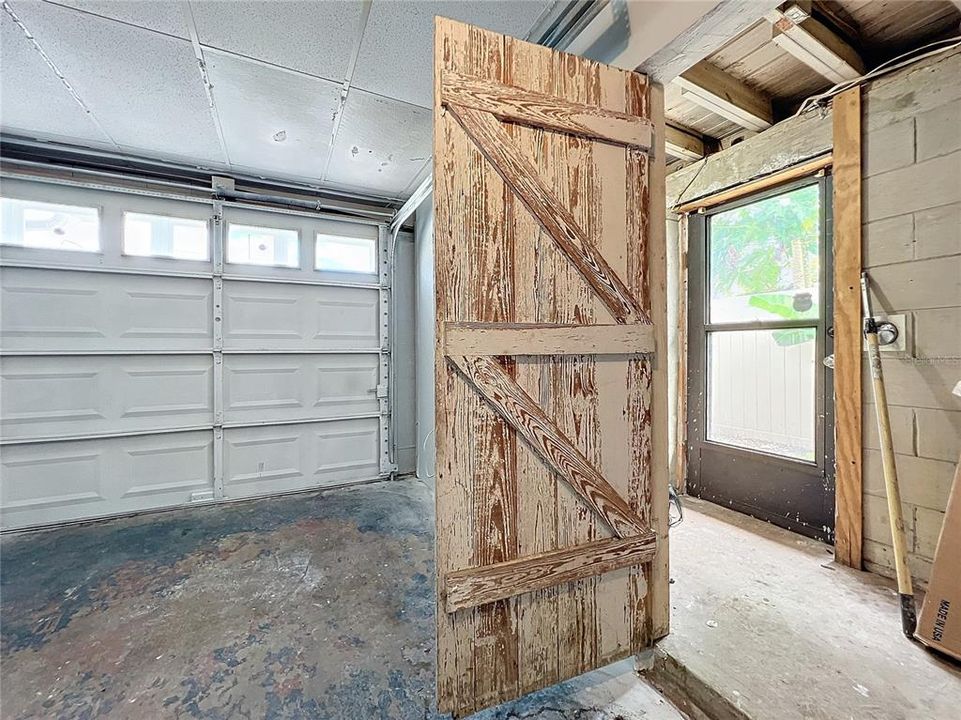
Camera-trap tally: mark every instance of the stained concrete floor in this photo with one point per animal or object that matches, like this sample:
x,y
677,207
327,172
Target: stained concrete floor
x,y
306,606
765,626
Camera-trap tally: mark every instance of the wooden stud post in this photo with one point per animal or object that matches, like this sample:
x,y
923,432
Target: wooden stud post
x,y
847,326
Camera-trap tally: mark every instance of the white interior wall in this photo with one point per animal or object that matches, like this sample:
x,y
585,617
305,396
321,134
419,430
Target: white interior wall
x,y
402,355
424,313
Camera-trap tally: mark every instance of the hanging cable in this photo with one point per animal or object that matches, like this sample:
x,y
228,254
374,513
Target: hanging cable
x,y
891,65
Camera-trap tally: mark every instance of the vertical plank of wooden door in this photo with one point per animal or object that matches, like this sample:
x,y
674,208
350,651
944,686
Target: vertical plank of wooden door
x,y
639,411
454,403
659,583
575,395
494,506
536,484
613,620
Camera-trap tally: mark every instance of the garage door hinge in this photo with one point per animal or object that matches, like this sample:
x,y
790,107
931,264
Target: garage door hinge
x,y
381,391
202,496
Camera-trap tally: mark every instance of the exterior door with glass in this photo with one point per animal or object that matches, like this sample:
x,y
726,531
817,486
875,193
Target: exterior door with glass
x,y
760,418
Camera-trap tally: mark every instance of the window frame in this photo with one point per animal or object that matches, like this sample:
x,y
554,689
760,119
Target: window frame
x,y
272,266
347,239
79,252
208,253
819,323
752,481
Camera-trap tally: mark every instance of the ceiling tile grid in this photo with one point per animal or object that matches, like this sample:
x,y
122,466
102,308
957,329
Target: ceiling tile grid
x,y
160,16
280,98
143,87
381,144
60,116
395,57
247,94
315,37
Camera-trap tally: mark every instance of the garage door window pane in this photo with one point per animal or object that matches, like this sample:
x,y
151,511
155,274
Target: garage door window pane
x,y
344,254
27,223
249,245
162,236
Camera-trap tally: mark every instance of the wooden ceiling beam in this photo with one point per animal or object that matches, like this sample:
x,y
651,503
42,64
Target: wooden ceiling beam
x,y
683,143
662,54
814,43
723,94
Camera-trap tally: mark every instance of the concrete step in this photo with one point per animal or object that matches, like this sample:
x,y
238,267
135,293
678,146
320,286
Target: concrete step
x,y
765,626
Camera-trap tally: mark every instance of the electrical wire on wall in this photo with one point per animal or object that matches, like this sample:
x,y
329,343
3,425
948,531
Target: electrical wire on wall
x,y
896,63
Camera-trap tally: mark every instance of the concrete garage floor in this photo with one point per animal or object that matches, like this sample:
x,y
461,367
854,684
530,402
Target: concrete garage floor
x,y
307,606
321,606
764,625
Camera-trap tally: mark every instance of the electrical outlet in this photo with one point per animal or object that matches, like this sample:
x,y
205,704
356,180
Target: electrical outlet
x,y
900,321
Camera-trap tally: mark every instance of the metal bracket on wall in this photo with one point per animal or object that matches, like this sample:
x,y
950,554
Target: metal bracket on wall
x,y
384,389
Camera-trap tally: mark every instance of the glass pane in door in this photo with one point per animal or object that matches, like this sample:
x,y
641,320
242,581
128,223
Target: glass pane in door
x,y
764,262
761,390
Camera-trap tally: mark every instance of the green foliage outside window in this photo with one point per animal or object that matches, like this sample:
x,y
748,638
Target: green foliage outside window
x,y
767,254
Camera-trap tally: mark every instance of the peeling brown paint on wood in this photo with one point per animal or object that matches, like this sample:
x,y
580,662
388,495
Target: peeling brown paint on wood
x,y
523,178
547,228
521,412
547,339
476,586
549,112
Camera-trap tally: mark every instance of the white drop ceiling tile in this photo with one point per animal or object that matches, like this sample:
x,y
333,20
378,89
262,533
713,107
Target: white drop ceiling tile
x,y
396,56
256,101
381,144
166,16
33,100
315,37
144,88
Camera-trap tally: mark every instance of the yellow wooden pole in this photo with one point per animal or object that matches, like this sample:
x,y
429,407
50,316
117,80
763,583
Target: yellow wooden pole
x,y
909,616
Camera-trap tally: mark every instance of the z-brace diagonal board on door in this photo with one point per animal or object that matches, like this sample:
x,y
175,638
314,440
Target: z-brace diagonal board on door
x,y
522,177
633,541
470,347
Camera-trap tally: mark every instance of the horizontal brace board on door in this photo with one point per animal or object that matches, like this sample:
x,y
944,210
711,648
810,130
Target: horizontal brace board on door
x,y
225,351
481,585
185,274
184,429
548,112
546,339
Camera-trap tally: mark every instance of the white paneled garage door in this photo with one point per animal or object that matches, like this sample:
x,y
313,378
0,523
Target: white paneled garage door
x,y
159,351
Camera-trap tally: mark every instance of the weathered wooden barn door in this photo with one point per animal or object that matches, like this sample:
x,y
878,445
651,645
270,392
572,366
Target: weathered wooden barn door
x,y
551,406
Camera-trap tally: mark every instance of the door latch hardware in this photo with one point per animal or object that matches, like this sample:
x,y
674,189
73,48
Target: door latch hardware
x,y
674,501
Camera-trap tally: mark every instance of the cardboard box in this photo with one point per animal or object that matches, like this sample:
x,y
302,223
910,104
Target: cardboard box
x,y
939,625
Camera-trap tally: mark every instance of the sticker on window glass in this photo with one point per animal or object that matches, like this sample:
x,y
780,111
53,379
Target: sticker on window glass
x,y
249,245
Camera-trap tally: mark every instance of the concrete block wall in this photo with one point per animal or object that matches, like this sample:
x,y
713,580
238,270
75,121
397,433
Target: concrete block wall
x,y
912,250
